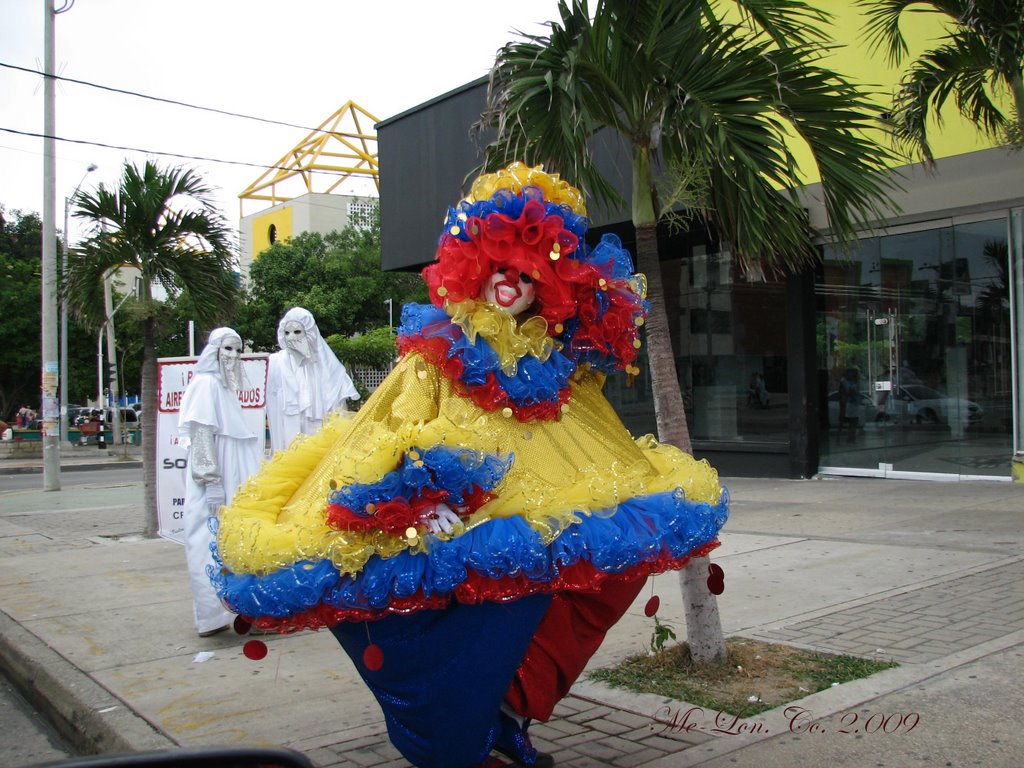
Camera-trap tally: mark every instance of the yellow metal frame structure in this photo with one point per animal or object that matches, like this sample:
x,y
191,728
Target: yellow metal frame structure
x,y
338,150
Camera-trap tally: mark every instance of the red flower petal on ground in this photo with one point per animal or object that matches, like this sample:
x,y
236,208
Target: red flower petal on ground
x,y
255,650
652,606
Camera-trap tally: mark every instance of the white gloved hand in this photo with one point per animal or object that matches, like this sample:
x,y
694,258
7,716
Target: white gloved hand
x,y
441,519
215,497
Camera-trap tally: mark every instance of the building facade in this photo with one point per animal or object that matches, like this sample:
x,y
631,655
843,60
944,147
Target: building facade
x,y
311,212
899,358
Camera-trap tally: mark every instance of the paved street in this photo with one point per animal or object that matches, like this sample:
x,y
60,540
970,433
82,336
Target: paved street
x,y
26,737
928,574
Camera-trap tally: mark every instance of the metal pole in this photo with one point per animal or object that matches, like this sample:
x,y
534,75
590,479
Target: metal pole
x,y
101,443
50,371
112,356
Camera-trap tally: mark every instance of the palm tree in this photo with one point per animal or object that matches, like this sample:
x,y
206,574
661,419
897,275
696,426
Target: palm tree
x,y
978,60
684,87
164,223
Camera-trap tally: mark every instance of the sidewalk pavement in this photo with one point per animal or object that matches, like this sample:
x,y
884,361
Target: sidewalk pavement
x,y
76,458
95,621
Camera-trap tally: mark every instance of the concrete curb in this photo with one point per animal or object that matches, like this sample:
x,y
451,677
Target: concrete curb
x,y
85,713
38,470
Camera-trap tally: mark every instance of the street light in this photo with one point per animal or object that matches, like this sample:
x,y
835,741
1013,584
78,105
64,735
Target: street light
x,y
391,323
64,313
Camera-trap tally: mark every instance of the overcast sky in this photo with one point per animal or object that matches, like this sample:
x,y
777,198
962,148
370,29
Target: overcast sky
x,y
296,62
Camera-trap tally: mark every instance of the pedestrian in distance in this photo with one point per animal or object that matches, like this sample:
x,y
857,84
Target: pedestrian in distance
x,y
305,381
222,452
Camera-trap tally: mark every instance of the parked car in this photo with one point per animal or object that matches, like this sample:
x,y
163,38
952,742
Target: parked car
x,y
128,416
87,424
77,413
924,405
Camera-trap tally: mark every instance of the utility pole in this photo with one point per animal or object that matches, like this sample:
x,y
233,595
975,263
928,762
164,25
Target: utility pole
x,y
50,369
112,357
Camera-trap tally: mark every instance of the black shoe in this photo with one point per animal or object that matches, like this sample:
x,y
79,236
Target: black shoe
x,y
514,743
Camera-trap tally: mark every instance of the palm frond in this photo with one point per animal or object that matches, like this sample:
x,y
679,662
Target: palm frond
x,y
163,222
681,84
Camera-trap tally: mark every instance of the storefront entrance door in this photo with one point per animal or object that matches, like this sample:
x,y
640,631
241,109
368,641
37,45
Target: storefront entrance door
x,y
915,359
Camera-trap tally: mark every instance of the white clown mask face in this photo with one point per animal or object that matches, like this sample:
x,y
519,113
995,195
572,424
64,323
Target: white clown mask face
x,y
296,339
229,356
510,290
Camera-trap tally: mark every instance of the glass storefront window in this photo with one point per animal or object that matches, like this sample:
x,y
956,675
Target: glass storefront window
x,y
914,353
729,334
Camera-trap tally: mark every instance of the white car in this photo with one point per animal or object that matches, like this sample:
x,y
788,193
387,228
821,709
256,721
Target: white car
x,y
924,405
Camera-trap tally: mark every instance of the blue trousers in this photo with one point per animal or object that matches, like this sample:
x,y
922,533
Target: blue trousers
x,y
445,675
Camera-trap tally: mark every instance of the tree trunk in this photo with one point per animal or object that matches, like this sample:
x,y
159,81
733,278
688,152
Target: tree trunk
x,y
149,413
703,623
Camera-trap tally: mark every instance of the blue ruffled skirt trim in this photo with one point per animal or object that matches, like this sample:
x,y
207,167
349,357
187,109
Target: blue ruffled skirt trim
x,y
637,532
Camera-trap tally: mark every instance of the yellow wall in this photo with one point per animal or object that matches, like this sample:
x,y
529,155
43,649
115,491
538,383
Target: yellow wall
x,y
858,62
281,219
854,58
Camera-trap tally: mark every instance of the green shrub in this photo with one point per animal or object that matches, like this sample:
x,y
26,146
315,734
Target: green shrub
x,y
374,349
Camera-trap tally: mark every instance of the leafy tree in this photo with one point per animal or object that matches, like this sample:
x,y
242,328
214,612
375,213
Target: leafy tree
x,y
681,85
163,222
979,59
20,246
170,318
336,276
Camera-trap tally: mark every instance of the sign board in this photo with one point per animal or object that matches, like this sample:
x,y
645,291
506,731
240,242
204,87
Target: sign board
x,y
173,376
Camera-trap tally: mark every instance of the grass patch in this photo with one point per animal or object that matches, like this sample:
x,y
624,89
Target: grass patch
x,y
759,676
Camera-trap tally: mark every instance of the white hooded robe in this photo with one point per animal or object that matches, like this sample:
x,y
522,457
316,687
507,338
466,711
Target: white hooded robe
x,y
208,400
302,391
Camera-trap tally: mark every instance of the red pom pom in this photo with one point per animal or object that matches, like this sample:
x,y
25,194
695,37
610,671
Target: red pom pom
x,y
255,650
716,579
242,625
373,657
652,606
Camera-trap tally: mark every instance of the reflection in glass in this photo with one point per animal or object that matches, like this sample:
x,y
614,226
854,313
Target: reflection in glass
x,y
914,353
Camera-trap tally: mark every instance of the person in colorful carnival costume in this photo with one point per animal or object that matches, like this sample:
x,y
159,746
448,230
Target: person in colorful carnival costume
x,y
305,380
472,533
222,452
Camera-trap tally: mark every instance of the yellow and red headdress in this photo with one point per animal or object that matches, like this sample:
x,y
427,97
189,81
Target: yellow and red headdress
x,y
535,222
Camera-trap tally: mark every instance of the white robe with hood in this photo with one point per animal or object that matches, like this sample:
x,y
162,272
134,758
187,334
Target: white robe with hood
x,y
302,391
210,401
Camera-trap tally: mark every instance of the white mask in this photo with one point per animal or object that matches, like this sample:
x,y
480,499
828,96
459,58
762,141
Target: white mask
x,y
229,357
296,339
509,290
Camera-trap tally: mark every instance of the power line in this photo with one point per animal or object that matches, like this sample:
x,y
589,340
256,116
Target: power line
x,y
161,99
169,154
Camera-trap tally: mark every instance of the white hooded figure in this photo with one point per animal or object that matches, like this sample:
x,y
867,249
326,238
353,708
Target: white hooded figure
x,y
223,451
305,381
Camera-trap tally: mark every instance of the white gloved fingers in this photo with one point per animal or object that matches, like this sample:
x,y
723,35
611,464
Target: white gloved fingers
x,y
215,497
442,519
